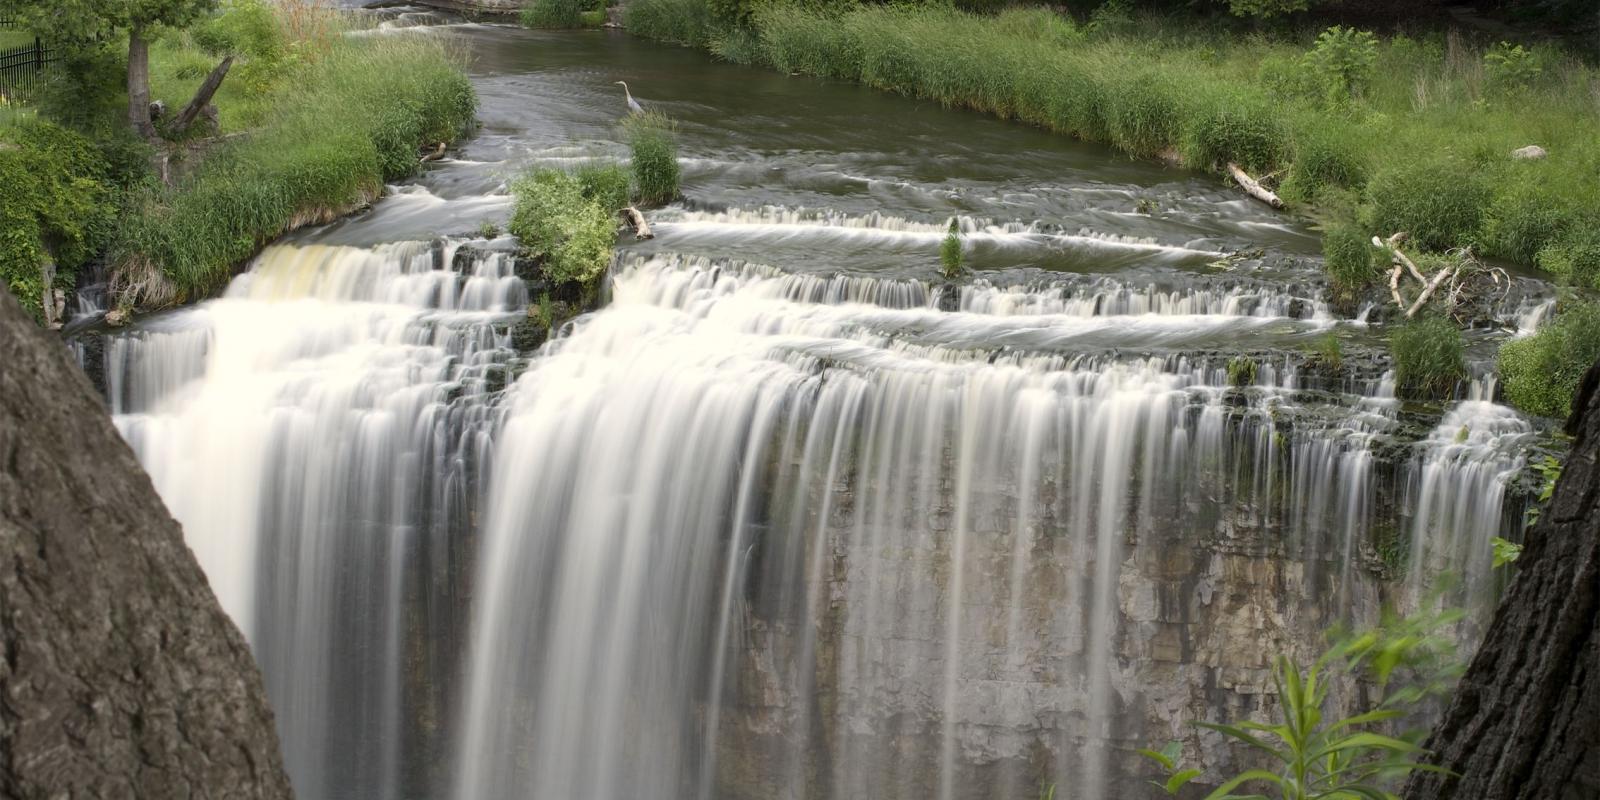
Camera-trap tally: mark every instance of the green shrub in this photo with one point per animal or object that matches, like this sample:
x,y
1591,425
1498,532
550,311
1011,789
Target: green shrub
x,y
654,142
1145,117
1522,221
57,207
1541,373
1241,371
605,184
556,13
1575,256
571,233
1440,203
1347,260
1510,68
1428,355
1343,60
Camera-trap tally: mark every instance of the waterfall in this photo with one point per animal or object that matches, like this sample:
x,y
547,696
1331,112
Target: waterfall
x,y
317,431
826,535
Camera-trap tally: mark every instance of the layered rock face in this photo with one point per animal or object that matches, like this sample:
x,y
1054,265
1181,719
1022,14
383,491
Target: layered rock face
x,y
121,676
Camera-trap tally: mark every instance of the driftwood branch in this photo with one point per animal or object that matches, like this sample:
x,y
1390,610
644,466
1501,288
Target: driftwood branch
x,y
641,230
438,153
202,98
1428,290
1253,188
1394,286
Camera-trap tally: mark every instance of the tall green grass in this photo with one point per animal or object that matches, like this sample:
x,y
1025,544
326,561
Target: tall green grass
x,y
338,129
654,142
1411,133
558,13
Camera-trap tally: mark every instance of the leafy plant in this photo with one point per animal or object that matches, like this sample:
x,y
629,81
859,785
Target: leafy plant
x,y
950,252
1343,58
555,222
1550,469
1505,551
1511,68
1541,373
1343,758
606,184
1241,371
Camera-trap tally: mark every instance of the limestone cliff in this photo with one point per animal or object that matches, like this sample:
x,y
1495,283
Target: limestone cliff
x,y
120,675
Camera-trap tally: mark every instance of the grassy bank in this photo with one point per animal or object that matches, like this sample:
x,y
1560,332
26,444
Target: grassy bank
x,y
346,115
1387,134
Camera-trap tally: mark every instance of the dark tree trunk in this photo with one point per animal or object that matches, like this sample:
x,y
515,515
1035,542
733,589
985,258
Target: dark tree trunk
x,y
120,676
139,85
1525,722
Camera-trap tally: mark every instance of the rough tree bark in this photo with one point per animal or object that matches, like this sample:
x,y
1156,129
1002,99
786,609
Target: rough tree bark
x,y
1525,722
139,85
120,675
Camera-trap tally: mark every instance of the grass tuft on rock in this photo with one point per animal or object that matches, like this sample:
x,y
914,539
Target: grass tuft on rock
x,y
654,141
1429,357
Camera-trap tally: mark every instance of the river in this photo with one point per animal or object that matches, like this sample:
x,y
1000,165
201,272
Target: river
x,y
792,517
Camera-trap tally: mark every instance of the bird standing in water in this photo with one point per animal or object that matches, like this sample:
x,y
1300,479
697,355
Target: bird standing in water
x,y
633,105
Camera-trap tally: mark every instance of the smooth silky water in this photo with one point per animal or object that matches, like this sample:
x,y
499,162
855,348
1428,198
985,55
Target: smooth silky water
x,y
790,517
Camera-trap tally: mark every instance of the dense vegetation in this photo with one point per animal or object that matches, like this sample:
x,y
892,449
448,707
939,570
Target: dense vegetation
x,y
560,220
1428,357
309,123
1541,373
653,141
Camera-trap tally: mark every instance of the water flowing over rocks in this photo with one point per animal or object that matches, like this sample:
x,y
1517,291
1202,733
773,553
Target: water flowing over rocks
x,y
121,676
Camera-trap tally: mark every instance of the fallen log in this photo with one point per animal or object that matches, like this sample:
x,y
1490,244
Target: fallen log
x,y
1253,188
1427,292
641,230
1394,286
202,98
437,154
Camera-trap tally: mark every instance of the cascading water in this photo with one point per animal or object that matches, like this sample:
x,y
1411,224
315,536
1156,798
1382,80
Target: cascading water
x,y
792,516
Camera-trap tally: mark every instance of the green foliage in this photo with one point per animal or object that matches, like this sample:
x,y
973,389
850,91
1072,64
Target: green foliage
x,y
606,184
1266,9
571,233
1327,155
1237,127
1575,256
556,13
1428,355
1317,757
1541,373
56,207
1511,68
654,141
1440,203
1328,353
1241,371
950,252
1549,470
1505,551
75,19
685,22
347,124
1347,259
1343,60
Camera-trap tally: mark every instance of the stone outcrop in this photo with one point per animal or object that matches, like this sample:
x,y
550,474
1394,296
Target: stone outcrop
x,y
121,676
1525,720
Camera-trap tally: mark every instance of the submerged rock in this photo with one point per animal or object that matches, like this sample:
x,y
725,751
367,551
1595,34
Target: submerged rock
x,y
122,676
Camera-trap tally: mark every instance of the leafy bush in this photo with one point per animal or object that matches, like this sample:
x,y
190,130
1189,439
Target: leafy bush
x,y
57,207
605,184
654,141
685,22
556,13
1347,260
571,233
1439,203
1265,9
1428,355
1521,221
1575,256
1541,373
1343,60
1510,68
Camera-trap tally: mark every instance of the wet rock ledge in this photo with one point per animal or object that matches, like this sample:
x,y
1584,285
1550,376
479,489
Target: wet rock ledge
x,y
120,675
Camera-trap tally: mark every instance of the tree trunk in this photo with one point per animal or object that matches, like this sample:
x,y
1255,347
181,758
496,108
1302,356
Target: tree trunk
x,y
1525,722
139,85
121,676
202,98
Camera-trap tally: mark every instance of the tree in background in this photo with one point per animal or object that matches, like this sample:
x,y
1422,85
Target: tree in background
x,y
68,20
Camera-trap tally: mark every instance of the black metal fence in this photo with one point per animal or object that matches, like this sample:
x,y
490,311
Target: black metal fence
x,y
23,68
